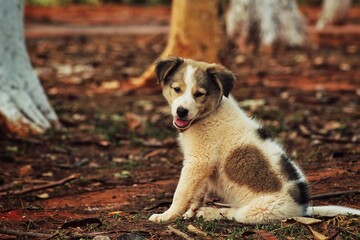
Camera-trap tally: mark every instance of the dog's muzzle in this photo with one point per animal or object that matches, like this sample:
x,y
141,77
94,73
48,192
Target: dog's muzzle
x,y
181,124
180,120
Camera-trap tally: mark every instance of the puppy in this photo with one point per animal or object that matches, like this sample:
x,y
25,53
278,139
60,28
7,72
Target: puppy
x,y
228,153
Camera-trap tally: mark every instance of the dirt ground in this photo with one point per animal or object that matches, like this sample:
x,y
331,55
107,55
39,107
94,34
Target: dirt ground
x,y
116,161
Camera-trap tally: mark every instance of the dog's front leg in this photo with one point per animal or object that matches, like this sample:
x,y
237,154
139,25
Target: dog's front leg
x,y
192,175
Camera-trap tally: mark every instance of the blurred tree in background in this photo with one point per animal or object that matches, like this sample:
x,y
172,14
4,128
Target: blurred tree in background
x,y
197,31
148,2
24,107
64,2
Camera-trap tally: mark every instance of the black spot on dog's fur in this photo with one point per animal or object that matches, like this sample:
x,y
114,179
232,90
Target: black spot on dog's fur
x,y
288,168
263,134
300,193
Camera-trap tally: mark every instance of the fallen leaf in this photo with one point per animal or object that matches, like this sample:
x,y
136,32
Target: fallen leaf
x,y
300,58
345,67
104,143
117,118
332,125
119,160
100,237
64,70
146,105
193,229
240,59
285,95
264,234
306,220
115,213
109,85
317,235
318,61
304,130
122,174
11,149
43,196
134,121
352,49
47,174
25,170
154,153
81,162
79,117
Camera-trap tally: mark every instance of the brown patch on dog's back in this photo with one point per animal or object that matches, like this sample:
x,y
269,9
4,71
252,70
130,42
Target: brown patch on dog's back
x,y
248,166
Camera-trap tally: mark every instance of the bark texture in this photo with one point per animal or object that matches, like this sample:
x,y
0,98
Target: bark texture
x,y
24,107
197,31
333,12
265,22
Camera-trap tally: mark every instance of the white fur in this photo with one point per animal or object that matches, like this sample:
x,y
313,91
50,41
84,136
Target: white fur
x,y
206,146
186,100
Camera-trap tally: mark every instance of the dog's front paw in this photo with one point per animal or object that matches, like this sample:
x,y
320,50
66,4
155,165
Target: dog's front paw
x,y
163,217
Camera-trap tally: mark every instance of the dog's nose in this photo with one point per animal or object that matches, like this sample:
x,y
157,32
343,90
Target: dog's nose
x,y
182,112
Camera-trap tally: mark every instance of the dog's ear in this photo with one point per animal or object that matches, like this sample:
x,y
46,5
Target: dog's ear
x,y
165,67
223,77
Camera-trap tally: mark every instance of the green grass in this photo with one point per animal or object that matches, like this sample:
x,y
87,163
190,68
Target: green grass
x,y
348,227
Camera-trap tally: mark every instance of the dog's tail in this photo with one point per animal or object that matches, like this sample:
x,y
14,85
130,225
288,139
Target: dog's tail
x,y
330,211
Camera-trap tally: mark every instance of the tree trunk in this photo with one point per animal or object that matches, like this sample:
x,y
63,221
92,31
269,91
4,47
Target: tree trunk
x,y
196,31
333,12
265,22
24,108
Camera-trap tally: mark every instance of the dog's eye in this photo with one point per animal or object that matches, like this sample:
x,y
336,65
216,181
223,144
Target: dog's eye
x,y
176,89
199,94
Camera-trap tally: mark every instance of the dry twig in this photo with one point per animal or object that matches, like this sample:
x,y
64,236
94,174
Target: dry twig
x,y
193,229
179,233
50,236
41,187
334,194
25,234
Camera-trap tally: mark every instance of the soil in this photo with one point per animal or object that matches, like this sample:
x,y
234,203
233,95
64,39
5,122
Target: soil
x,y
121,145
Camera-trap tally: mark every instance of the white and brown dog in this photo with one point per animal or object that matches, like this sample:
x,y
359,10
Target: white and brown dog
x,y
228,153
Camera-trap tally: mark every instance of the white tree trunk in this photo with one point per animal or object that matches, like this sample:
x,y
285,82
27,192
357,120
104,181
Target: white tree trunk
x,y
265,22
24,107
333,12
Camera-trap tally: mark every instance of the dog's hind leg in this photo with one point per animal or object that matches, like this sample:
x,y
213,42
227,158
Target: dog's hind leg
x,y
213,213
260,210
243,214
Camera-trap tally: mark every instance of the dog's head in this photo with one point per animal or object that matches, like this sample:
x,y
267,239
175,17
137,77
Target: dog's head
x,y
193,89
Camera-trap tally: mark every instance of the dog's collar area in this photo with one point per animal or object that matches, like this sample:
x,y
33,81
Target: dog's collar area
x,y
181,130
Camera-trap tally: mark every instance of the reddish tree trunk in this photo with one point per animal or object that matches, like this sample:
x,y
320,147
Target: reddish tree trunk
x,y
196,31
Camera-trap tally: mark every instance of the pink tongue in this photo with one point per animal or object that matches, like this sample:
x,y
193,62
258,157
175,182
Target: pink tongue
x,y
181,123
